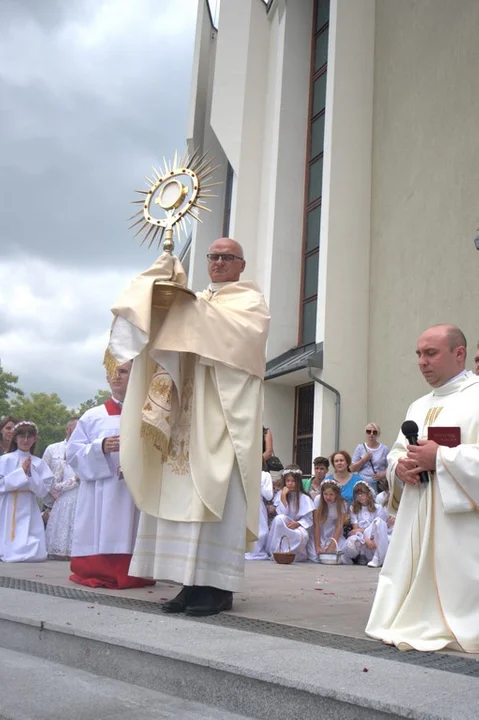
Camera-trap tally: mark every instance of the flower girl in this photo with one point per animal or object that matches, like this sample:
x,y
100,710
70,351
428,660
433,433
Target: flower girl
x,y
294,515
368,540
23,479
329,513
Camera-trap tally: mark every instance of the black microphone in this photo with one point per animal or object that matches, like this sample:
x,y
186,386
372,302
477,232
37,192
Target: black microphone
x,y
410,430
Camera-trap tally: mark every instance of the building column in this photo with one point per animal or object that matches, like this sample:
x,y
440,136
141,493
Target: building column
x,y
343,283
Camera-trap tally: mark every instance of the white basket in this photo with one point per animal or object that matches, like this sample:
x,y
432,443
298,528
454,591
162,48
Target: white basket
x,y
331,558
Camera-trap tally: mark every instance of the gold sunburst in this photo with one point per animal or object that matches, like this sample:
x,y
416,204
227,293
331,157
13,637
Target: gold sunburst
x,y
177,192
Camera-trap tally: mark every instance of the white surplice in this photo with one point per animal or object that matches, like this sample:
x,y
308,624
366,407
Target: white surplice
x,y
59,532
298,537
53,456
428,590
259,548
106,519
22,535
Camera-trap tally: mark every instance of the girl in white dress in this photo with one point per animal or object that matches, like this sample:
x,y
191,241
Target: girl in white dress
x,y
59,531
23,479
294,515
329,513
368,540
259,548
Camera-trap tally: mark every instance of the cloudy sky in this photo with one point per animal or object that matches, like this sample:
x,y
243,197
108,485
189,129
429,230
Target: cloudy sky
x,y
92,93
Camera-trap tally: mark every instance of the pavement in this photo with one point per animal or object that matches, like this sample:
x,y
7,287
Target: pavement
x,y
293,646
334,599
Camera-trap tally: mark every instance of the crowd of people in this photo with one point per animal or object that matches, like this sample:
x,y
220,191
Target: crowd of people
x,y
182,503
329,512
338,511
72,503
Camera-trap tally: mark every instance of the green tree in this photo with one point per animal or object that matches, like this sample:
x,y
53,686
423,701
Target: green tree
x,y
47,412
101,397
8,387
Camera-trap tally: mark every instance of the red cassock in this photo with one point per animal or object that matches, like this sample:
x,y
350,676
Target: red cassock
x,y
108,570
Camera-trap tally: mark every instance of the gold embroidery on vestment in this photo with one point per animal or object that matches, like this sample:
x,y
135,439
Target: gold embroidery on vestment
x,y
179,450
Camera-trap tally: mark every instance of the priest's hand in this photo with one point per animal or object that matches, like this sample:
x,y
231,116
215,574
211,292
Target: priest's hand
x,y
423,454
292,524
407,471
111,444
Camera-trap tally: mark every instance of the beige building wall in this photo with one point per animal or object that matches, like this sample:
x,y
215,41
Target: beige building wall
x,y
425,201
201,135
343,289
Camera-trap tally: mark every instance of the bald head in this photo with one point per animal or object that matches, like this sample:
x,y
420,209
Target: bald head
x,y
441,353
226,260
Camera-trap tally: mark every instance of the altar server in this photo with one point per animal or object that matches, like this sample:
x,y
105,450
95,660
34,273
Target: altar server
x,y
106,519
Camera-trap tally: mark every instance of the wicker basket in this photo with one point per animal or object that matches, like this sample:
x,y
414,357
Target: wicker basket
x,y
331,558
281,557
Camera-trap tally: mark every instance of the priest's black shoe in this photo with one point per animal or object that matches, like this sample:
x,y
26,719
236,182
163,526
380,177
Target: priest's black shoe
x,y
210,601
179,603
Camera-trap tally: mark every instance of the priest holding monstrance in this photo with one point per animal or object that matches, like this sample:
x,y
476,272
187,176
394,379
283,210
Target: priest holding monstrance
x,y
191,424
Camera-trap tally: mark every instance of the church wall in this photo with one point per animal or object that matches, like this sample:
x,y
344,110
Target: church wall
x,y
279,416
343,284
201,135
424,268
238,110
283,174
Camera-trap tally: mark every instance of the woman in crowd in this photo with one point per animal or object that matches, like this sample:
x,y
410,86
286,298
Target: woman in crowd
x,y
294,516
6,430
368,540
370,459
341,461
267,446
23,478
330,509
259,549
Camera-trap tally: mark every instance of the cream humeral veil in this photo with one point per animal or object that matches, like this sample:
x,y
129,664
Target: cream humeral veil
x,y
195,395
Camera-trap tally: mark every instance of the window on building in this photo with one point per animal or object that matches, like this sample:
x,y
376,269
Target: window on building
x,y
303,427
314,174
228,197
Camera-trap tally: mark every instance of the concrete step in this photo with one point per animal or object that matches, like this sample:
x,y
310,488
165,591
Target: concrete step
x,y
254,675
37,689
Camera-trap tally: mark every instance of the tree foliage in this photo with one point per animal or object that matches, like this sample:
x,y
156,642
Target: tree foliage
x,y
8,387
46,411
99,399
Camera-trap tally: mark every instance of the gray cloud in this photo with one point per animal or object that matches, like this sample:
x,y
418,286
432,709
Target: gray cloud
x,y
88,108
93,92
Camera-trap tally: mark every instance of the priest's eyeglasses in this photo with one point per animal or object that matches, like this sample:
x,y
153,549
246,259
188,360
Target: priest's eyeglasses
x,y
226,257
371,432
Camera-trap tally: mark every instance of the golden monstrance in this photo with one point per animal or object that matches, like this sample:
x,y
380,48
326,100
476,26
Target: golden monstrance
x,y
177,192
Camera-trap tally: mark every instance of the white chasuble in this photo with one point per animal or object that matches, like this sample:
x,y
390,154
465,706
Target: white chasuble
x,y
195,477
106,519
428,591
22,535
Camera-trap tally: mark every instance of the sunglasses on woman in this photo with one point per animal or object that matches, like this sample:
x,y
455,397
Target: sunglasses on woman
x,y
371,432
